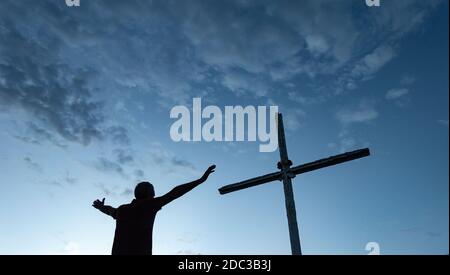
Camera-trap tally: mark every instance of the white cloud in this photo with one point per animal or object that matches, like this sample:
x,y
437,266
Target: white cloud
x,y
373,62
297,97
317,44
347,141
243,82
396,93
346,144
360,115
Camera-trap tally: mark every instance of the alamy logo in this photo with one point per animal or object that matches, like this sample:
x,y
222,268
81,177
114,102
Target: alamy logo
x,y
373,3
73,3
225,127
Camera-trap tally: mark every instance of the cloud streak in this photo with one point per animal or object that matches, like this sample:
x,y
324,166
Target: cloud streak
x,y
169,161
396,93
360,115
32,164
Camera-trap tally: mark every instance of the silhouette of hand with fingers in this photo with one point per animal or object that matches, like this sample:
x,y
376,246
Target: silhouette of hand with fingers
x,y
207,173
98,204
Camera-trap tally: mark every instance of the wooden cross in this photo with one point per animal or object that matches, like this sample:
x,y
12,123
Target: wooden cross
x,y
286,173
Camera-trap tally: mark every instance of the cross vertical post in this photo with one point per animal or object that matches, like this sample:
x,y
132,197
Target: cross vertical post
x,y
285,166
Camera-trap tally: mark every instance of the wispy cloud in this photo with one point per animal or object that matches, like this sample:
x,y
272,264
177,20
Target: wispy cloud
x,y
346,141
373,62
362,114
70,180
121,162
32,164
114,190
393,94
349,118
118,135
169,161
105,165
37,136
122,156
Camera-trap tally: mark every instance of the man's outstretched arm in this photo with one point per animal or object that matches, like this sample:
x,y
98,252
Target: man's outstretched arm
x,y
180,190
108,210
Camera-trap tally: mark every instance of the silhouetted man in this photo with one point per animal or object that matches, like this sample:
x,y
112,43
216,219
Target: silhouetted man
x,y
134,221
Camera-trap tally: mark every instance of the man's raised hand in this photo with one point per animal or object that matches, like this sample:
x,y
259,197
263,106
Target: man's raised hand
x,y
207,173
98,204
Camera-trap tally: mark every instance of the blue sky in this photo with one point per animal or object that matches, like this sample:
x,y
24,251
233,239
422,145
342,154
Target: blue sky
x,y
86,92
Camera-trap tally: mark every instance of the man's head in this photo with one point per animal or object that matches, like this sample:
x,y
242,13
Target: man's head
x,y
144,190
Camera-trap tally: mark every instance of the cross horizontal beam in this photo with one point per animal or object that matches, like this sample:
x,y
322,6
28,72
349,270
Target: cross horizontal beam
x,y
249,183
322,163
300,169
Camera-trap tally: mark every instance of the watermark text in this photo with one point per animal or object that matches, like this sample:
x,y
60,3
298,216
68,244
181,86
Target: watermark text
x,y
226,126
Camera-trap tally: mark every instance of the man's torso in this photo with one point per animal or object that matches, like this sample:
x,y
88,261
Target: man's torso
x,y
134,227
